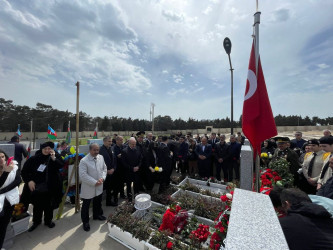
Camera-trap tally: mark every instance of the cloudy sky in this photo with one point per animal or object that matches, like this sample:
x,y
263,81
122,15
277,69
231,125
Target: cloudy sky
x,y
130,53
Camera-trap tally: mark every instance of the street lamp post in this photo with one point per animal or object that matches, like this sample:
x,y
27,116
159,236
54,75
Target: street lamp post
x,y
227,47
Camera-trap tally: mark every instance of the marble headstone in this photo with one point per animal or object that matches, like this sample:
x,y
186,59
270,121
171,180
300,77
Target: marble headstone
x,y
98,141
253,223
246,168
9,149
83,149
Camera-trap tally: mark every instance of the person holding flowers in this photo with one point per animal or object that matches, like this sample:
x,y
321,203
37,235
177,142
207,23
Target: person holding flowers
x,y
9,194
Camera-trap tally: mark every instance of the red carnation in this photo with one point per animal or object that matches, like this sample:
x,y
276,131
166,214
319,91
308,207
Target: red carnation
x,y
224,198
169,245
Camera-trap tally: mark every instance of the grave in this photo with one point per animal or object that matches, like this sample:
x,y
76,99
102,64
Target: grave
x,y
253,223
98,141
246,168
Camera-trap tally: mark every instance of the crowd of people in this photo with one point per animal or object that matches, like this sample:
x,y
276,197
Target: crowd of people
x,y
144,162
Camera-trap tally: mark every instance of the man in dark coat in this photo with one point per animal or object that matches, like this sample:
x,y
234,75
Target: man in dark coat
x,y
182,156
306,225
204,152
298,142
19,150
283,151
234,162
119,173
222,156
164,161
213,141
132,161
109,184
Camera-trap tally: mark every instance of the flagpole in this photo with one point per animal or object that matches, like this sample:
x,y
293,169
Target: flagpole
x,y
77,193
256,36
31,139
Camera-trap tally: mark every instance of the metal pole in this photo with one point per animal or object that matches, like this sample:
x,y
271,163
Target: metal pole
x,y
256,35
152,117
232,96
77,193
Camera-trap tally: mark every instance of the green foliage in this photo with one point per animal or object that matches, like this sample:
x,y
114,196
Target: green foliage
x,y
44,114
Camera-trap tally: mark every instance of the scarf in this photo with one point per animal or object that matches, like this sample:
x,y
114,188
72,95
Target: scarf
x,y
13,196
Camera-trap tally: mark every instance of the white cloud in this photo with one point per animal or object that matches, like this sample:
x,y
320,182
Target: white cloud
x,y
139,50
177,78
207,10
323,66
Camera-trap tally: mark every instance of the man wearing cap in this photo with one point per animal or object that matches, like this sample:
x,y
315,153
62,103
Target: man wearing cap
x,y
298,141
326,144
92,170
312,165
283,151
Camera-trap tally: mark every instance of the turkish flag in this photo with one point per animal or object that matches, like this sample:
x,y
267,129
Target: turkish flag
x,y
257,121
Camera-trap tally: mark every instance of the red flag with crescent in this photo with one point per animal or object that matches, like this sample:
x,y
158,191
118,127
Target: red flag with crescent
x,y
257,121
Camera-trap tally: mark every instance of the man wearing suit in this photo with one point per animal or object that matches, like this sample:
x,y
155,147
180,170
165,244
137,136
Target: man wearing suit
x,y
164,161
234,163
109,184
119,173
204,152
222,157
213,141
182,155
132,161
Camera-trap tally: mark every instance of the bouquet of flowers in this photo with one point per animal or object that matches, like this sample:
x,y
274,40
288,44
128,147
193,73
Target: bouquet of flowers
x,y
174,219
19,212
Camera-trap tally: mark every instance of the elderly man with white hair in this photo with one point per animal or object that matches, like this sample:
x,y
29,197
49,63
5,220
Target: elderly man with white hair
x,y
92,172
132,161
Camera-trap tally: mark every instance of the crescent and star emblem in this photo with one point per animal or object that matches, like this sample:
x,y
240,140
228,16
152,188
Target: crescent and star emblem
x,y
252,78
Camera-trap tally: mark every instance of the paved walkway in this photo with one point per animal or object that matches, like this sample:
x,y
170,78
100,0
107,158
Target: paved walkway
x,y
68,234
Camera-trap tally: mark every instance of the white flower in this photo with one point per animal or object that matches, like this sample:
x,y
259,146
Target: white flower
x,y
229,196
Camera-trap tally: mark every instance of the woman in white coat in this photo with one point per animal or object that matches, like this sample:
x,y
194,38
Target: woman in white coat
x,y
9,194
92,170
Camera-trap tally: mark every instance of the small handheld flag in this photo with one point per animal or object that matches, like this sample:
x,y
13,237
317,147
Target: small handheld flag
x,y
68,137
18,132
51,134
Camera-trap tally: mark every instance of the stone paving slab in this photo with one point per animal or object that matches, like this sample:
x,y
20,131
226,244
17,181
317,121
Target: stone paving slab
x,y
68,234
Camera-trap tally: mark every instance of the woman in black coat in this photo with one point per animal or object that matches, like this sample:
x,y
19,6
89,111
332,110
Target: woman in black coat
x,y
9,194
43,183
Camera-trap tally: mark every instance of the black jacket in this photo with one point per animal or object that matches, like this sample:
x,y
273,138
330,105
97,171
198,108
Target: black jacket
x,y
108,157
308,226
163,157
222,151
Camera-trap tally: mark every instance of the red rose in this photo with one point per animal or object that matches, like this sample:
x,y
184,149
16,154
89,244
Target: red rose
x,y
169,245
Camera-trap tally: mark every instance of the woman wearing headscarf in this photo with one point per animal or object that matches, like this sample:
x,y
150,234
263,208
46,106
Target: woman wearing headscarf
x,y
43,182
9,193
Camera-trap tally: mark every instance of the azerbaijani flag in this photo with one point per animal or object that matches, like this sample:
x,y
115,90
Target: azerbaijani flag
x,y
51,134
68,137
95,134
18,132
